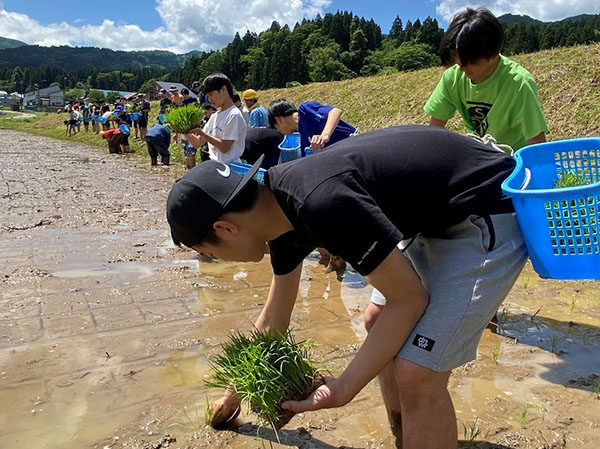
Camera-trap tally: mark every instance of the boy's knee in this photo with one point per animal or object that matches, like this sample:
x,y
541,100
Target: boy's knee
x,y
371,314
414,379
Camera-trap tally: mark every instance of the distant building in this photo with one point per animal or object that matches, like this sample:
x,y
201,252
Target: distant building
x,y
120,93
166,85
49,96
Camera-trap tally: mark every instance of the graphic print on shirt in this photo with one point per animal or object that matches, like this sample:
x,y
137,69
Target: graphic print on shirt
x,y
478,112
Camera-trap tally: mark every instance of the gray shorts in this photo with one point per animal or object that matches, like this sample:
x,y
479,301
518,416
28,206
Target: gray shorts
x,y
466,284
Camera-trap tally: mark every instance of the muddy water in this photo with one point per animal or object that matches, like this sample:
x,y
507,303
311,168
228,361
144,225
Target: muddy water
x,y
106,329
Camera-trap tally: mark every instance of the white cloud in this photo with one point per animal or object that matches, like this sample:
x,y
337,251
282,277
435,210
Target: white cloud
x,y
545,10
188,25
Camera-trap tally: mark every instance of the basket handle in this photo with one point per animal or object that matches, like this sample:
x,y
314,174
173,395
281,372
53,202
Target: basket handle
x,y
527,179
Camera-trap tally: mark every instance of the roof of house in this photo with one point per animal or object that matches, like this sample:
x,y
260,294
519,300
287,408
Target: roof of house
x,y
166,85
50,90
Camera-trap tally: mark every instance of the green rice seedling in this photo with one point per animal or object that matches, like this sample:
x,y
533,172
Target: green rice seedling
x,y
184,118
595,386
502,318
497,352
529,405
573,304
265,370
470,432
570,179
555,342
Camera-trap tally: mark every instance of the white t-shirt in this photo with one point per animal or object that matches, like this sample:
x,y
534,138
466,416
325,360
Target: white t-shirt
x,y
227,125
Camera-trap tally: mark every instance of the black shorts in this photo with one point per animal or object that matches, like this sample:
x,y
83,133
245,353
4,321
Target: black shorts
x,y
143,122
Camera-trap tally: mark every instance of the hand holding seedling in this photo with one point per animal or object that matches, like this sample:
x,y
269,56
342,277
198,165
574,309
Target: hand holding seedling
x,y
328,395
223,410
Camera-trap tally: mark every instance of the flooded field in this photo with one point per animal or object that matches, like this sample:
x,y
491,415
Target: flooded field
x,y
106,328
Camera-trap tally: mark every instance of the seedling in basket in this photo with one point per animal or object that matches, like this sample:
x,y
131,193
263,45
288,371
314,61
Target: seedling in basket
x,y
571,179
265,370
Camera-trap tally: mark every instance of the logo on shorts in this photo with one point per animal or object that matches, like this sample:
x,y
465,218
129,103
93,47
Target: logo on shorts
x,y
423,342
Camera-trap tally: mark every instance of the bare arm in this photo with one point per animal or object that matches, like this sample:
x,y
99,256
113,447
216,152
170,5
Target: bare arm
x,y
406,302
197,137
333,118
541,137
282,296
437,122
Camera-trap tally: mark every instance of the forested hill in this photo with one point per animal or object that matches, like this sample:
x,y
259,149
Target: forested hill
x,y
10,43
72,58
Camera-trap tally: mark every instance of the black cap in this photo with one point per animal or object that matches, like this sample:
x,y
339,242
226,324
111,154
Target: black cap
x,y
198,198
196,84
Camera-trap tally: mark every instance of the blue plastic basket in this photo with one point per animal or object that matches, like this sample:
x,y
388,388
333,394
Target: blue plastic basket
x,y
241,169
135,116
289,148
124,129
561,227
103,120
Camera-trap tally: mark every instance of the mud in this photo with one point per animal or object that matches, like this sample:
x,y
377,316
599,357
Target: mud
x,y
106,328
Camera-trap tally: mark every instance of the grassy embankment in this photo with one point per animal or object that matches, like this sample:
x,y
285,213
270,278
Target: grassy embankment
x,y
568,82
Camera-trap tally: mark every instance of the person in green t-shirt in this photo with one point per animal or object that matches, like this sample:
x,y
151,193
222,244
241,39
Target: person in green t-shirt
x,y
493,94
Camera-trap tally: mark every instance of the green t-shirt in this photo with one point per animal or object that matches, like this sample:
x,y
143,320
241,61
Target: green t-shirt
x,y
505,105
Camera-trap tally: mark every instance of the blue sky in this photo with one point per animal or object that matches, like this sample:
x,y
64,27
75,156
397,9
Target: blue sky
x,y
184,25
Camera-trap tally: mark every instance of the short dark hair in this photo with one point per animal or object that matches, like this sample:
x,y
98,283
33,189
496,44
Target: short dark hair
x,y
244,201
236,98
280,108
185,91
215,82
473,34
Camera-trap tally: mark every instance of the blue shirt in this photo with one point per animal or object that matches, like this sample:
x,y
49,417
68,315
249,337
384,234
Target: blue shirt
x,y
190,100
161,135
258,117
312,117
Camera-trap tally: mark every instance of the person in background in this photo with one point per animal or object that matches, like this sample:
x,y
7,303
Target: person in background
x,y
319,125
134,112
176,97
237,101
197,89
494,95
261,141
187,98
124,125
113,138
144,114
158,140
258,114
86,114
225,131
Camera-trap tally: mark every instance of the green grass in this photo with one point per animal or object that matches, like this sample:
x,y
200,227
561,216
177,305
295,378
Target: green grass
x,y
265,370
497,352
528,406
470,432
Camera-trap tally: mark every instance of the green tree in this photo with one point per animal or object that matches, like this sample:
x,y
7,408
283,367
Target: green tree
x,y
397,31
148,86
413,56
74,94
324,64
95,95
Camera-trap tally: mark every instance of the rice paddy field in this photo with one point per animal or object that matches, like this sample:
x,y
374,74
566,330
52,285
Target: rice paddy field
x,y
107,330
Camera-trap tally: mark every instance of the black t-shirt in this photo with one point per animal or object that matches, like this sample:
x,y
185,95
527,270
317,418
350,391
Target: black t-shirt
x,y
261,141
164,104
362,195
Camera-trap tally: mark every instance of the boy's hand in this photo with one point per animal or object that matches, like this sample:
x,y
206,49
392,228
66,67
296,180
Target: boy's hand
x,y
329,395
318,141
223,410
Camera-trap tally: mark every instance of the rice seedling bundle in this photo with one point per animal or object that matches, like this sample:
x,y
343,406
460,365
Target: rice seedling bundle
x,y
570,179
265,370
184,118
